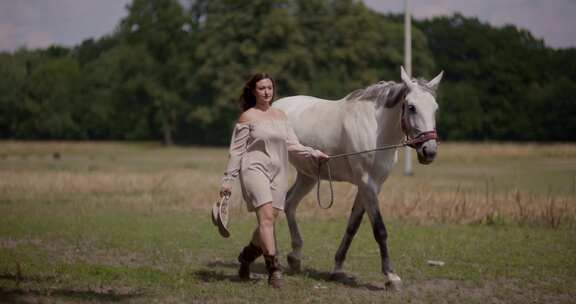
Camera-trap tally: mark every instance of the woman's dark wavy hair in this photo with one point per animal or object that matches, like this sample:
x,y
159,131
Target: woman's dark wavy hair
x,y
247,99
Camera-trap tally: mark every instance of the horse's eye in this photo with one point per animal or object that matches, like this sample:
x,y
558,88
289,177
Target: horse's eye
x,y
412,109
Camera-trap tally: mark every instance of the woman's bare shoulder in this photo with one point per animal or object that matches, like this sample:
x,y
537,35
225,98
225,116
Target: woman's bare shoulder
x,y
247,116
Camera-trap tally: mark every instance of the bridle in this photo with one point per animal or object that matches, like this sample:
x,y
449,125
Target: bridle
x,y
420,138
410,141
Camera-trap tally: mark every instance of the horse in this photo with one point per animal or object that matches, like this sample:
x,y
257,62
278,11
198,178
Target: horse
x,y
382,114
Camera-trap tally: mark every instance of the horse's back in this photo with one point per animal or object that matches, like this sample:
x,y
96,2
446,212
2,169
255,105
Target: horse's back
x,y
294,106
313,119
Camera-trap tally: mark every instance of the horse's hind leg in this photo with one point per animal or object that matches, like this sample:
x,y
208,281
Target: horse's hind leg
x,y
354,222
301,187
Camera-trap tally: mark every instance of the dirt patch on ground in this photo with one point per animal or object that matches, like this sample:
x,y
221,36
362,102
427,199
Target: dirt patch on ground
x,y
498,291
68,295
85,251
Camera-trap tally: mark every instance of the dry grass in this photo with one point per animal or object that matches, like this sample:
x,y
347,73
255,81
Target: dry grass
x,y
527,184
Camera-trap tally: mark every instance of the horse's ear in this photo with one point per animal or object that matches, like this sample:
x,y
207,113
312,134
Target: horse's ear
x,y
406,78
433,84
396,94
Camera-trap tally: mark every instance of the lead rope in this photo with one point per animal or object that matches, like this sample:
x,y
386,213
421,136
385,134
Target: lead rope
x,y
330,183
403,144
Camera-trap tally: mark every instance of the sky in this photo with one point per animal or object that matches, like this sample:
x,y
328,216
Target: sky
x,y
554,21
40,23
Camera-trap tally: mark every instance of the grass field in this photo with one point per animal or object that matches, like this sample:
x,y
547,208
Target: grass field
x,y
111,222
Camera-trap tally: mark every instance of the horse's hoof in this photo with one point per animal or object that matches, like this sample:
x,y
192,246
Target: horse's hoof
x,y
338,276
294,263
393,283
394,286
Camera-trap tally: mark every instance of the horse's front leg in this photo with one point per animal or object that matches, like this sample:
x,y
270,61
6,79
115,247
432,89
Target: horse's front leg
x,y
380,234
301,187
353,224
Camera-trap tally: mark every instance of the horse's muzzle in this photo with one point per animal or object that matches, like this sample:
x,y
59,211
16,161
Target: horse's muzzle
x,y
427,152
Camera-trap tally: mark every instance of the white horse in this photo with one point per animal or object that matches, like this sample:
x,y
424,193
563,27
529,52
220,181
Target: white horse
x,y
379,115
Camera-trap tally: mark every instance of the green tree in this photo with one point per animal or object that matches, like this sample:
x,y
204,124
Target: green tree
x,y
49,104
115,91
349,46
461,111
162,28
12,80
90,49
552,109
499,63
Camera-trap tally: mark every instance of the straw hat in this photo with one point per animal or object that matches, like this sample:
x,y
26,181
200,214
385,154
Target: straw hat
x,y
220,215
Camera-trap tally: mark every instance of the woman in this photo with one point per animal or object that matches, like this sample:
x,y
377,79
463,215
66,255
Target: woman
x,y
261,142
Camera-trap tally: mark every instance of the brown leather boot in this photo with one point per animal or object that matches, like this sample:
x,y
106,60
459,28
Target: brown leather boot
x,y
274,271
246,257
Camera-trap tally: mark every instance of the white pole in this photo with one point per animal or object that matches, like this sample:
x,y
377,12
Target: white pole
x,y
408,67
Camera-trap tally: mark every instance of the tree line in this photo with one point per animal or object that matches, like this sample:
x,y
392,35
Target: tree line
x,y
172,71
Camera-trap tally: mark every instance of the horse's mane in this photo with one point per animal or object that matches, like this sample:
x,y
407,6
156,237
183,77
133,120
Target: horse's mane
x,y
371,92
381,88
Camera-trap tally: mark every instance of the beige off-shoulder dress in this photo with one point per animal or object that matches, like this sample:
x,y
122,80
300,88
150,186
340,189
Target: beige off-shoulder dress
x,y
259,153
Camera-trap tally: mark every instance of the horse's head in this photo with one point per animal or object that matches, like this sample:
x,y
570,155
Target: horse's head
x,y
419,115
